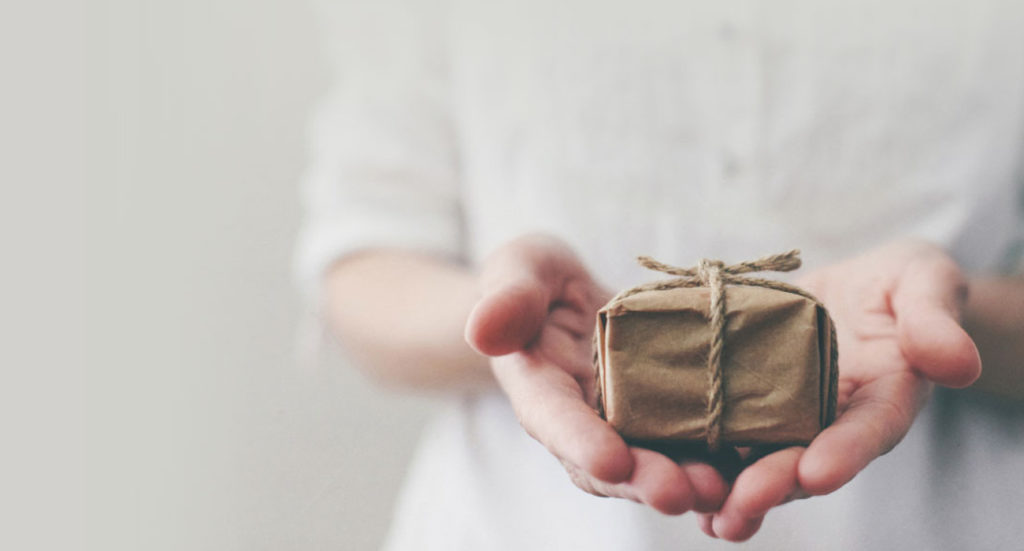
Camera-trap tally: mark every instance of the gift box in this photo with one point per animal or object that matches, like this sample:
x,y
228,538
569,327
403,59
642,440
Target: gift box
x,y
712,357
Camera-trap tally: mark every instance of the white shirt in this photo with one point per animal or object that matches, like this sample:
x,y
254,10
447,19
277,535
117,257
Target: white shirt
x,y
680,130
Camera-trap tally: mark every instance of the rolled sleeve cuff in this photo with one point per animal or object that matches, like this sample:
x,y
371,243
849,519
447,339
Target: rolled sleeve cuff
x,y
323,243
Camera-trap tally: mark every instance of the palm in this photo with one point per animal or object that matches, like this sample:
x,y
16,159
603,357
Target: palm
x,y
895,311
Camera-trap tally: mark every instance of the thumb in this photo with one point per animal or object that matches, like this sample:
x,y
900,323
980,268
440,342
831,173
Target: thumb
x,y
507,319
927,303
520,280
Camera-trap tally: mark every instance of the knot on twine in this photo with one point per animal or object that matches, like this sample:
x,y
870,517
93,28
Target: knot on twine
x,y
709,271
715,275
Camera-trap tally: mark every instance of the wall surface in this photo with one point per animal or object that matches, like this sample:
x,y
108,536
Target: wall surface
x,y
207,428
42,263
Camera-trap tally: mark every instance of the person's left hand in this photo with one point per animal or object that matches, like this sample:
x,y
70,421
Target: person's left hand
x,y
896,311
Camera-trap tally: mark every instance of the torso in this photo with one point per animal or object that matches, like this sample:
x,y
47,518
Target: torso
x,y
689,129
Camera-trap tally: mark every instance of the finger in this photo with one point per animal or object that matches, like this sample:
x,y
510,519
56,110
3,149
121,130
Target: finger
x,y
573,356
704,521
766,483
578,324
508,318
878,416
709,487
519,282
709,474
660,483
763,485
769,482
569,353
550,406
927,304
656,481
593,486
735,529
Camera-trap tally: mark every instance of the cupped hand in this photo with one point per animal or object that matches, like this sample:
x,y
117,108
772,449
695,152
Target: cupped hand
x,y
536,320
896,311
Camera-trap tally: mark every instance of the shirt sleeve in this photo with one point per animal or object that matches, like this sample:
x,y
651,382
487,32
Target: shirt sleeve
x,y
383,170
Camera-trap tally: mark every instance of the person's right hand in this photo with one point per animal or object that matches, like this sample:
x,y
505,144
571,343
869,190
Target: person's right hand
x,y
536,320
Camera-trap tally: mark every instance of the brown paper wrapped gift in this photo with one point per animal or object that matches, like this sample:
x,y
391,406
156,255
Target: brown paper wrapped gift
x,y
716,357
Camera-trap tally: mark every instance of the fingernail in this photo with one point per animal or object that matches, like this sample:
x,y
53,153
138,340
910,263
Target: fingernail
x,y
722,525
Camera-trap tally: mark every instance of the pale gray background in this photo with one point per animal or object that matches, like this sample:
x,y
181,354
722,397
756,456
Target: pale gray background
x,y
205,428
41,275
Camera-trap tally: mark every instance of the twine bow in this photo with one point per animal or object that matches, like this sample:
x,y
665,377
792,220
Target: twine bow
x,y
715,275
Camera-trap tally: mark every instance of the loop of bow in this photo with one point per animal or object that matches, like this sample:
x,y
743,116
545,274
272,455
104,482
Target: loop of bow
x,y
784,262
